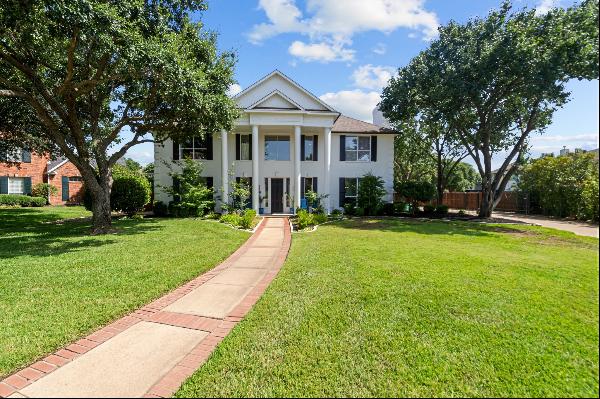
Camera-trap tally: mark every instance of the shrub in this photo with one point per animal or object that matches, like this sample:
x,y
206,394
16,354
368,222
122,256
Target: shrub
x,y
462,212
189,191
213,216
562,186
305,219
416,191
442,209
21,200
44,190
130,191
319,218
160,209
247,219
370,194
401,207
336,212
350,209
231,218
428,208
387,209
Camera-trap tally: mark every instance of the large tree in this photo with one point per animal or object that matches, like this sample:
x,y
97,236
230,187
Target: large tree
x,y
89,79
498,79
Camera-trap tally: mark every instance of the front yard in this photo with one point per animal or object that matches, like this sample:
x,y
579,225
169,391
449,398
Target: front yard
x,y
58,283
408,308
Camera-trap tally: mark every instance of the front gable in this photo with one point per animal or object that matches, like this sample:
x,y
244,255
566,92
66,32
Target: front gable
x,y
277,91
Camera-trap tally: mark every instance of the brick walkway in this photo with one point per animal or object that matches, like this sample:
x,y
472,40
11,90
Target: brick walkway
x,y
150,352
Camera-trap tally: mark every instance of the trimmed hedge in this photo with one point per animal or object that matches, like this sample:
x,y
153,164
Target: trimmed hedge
x,y
21,200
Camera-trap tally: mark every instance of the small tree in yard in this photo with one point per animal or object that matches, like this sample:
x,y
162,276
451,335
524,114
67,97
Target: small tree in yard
x,y
497,80
191,195
370,194
74,75
415,192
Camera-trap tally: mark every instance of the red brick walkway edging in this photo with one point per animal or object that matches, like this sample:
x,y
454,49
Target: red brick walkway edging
x,y
153,312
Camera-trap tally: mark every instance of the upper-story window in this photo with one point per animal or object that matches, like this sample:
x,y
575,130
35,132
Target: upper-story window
x,y
194,148
245,151
358,148
16,155
277,148
309,148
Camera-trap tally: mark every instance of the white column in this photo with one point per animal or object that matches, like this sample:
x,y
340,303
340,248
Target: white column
x,y
255,176
224,168
327,133
297,172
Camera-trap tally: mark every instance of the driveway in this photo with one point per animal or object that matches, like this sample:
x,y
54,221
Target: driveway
x,y
579,228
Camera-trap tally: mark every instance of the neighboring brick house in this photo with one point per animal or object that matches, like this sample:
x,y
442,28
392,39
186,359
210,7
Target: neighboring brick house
x,y
25,169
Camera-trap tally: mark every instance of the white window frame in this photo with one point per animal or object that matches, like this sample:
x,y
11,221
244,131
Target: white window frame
x,y
248,156
355,196
357,151
13,179
194,148
278,136
312,148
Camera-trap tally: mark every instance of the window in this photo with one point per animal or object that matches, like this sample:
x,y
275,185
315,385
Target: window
x,y
14,156
287,192
308,184
16,185
245,154
75,178
309,153
277,148
358,148
351,189
194,148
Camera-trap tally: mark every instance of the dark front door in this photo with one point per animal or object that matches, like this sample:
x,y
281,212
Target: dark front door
x,y
276,195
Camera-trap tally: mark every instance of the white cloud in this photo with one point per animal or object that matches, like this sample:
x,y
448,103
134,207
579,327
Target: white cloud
x,y
380,49
234,89
357,104
372,77
335,22
545,6
322,52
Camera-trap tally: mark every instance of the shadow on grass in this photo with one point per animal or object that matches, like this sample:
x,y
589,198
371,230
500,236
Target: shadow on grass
x,y
25,232
426,226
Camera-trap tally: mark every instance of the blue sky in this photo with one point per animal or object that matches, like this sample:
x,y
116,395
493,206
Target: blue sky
x,y
344,52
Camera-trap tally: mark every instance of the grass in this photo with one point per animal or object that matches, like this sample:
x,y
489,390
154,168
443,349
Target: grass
x,y
58,283
408,308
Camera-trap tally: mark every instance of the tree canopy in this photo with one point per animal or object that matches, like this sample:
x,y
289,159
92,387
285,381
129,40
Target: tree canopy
x,y
76,74
498,79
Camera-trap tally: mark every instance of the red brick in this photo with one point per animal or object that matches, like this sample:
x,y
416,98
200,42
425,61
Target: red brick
x,y
31,374
6,390
16,381
162,392
87,343
78,348
56,360
66,354
44,367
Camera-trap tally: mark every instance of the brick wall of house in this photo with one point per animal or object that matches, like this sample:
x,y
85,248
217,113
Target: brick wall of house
x,y
75,187
36,169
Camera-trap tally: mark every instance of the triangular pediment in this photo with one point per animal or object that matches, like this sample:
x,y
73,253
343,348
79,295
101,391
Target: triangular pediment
x,y
276,100
277,91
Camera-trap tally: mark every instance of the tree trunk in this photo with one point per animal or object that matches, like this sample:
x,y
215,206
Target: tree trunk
x,y
99,189
440,180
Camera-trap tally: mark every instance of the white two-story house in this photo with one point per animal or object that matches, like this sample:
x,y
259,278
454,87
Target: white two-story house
x,y
287,142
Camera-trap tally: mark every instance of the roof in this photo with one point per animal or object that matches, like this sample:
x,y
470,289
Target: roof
x,y
328,108
345,124
55,164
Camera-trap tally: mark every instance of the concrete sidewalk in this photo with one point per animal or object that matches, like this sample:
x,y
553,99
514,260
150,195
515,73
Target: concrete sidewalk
x,y
152,351
579,228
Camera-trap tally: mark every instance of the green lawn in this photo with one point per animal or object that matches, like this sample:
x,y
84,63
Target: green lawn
x,y
401,308
57,283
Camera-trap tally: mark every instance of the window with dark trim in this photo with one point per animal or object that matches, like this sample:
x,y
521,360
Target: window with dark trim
x,y
194,148
75,178
245,152
277,148
351,189
358,148
309,148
